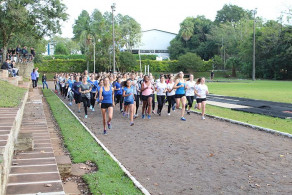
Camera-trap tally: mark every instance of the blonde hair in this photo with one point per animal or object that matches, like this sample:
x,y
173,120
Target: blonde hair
x,y
177,75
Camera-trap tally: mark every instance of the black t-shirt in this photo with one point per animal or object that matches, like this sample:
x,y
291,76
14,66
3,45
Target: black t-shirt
x,y
212,73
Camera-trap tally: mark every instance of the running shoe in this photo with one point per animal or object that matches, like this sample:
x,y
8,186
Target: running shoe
x,y
168,114
79,111
183,119
70,103
159,113
143,116
132,124
153,112
104,132
85,116
149,116
203,118
109,125
196,106
173,107
90,107
188,112
124,114
93,110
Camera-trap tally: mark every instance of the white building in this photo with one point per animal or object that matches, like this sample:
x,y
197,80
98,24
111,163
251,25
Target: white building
x,y
154,42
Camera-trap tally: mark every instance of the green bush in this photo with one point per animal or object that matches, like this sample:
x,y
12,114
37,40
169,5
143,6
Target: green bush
x,y
145,57
156,66
75,56
60,65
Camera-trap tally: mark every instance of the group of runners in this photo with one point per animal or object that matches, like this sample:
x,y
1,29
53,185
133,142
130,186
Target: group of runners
x,y
129,90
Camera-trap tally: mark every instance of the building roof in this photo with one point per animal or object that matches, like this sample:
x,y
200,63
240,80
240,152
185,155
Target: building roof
x,y
159,30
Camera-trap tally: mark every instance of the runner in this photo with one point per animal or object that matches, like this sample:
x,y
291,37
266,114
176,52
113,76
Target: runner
x,y
94,84
161,88
170,95
106,96
100,85
70,92
180,93
152,79
135,89
77,94
119,93
128,95
146,90
201,93
190,93
85,89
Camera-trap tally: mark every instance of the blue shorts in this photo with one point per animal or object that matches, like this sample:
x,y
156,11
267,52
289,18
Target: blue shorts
x,y
128,103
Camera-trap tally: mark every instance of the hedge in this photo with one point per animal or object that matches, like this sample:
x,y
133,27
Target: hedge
x,y
75,56
60,65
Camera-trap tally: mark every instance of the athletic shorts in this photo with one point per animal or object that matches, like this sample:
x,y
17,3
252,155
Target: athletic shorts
x,y
179,95
128,103
200,100
106,105
77,98
145,97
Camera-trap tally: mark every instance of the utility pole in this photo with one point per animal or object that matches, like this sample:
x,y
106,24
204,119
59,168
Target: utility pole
x,y
253,60
94,57
114,52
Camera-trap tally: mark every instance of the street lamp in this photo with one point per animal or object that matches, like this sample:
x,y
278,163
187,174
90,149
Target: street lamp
x,y
253,60
114,52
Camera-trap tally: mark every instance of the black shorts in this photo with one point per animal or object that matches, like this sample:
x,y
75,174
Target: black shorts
x,y
145,97
128,103
179,95
200,100
106,105
77,98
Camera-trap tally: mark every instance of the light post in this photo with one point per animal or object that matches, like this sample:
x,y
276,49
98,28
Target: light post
x,y
253,60
114,52
93,57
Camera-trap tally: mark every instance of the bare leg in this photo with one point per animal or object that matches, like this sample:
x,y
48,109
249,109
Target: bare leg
x,y
203,108
103,112
110,114
149,105
183,101
131,112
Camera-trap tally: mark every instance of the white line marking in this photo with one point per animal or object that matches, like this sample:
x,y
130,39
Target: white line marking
x,y
37,182
35,173
40,165
35,158
49,193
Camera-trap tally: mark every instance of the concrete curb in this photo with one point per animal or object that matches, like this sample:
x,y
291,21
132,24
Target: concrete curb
x,y
135,181
272,131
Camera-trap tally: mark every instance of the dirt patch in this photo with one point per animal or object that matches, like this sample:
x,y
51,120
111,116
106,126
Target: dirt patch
x,y
169,156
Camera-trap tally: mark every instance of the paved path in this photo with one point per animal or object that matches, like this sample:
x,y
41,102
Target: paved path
x,y
275,109
35,171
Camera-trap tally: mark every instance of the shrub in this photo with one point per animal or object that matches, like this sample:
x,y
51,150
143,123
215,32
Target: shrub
x,y
75,56
60,65
145,57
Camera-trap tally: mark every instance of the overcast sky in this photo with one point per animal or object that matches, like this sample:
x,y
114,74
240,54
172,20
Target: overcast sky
x,y
168,14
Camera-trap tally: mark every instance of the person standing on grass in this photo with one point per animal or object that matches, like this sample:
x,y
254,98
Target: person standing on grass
x,y
44,81
212,75
119,93
170,95
33,78
180,96
161,88
106,96
129,98
94,84
85,89
37,75
146,90
201,93
190,93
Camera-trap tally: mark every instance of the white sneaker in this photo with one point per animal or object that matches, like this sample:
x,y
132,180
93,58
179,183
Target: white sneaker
x,y
93,110
196,106
90,107
168,114
203,118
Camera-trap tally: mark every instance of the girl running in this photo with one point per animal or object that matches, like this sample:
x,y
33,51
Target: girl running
x,y
119,93
128,95
85,89
135,90
70,92
100,85
94,84
190,93
170,94
201,93
161,88
146,90
77,94
180,96
106,96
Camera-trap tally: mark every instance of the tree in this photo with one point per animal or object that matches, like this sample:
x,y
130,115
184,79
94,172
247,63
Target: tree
x,y
189,62
127,61
231,13
187,28
61,49
38,18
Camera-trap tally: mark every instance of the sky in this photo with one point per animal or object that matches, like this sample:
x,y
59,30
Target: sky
x,y
167,15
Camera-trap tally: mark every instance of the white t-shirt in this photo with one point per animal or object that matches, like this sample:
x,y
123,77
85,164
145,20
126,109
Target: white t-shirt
x,y
170,86
161,88
202,90
190,91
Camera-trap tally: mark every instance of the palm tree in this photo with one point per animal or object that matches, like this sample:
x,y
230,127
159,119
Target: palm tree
x,y
187,28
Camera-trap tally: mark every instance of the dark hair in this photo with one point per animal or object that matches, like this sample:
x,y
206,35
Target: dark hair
x,y
198,80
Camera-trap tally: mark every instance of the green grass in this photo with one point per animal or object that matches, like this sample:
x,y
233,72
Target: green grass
x,y
109,179
283,125
276,91
10,95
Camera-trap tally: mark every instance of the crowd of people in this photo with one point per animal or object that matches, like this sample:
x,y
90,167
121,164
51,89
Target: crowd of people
x,y
19,54
130,90
10,66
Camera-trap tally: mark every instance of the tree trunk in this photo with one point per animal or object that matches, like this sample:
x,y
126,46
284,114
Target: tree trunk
x,y
4,52
233,71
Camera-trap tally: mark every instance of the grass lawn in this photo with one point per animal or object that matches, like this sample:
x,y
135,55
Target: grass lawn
x,y
109,179
283,125
10,95
276,91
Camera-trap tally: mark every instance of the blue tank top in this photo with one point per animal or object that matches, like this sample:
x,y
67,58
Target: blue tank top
x,y
107,96
127,92
180,90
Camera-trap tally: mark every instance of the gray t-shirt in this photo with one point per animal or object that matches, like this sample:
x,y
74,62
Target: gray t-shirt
x,y
85,87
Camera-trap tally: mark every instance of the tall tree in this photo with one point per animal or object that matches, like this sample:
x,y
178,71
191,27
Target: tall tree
x,y
231,13
38,17
187,28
